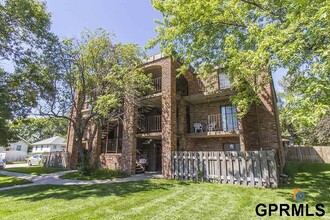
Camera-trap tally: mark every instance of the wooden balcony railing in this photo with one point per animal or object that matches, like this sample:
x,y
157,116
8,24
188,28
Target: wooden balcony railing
x,y
157,83
150,124
214,122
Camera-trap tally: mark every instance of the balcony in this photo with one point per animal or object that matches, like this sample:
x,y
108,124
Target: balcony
x,y
154,58
215,127
150,124
157,84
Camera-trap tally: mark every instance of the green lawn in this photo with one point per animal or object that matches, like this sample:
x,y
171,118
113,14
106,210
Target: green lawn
x,y
101,174
11,181
163,199
34,170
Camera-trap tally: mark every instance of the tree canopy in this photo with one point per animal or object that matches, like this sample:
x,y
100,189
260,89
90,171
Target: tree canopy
x,y
36,129
248,37
24,36
92,77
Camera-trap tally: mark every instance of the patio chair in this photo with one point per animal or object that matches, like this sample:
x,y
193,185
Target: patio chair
x,y
198,127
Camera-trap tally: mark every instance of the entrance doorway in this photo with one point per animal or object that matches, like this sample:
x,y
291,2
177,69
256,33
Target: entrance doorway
x,y
149,154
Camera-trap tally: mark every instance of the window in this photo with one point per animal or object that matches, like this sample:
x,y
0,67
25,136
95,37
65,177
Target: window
x,y
18,147
224,82
232,147
54,147
229,118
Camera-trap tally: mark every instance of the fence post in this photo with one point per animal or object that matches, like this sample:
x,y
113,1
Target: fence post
x,y
264,168
224,166
243,167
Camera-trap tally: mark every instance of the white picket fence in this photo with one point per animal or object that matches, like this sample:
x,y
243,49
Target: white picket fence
x,y
248,168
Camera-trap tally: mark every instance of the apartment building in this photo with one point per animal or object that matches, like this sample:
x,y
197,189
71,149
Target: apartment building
x,y
183,113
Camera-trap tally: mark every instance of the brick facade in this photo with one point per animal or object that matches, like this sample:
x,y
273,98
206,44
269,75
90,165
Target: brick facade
x,y
258,129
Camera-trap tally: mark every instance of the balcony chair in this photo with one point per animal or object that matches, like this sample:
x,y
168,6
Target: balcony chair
x,y
198,127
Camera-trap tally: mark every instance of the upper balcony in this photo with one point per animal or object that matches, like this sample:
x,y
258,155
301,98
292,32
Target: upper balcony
x,y
156,80
154,58
157,85
215,87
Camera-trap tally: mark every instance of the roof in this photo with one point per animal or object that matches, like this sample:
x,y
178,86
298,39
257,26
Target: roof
x,y
22,139
19,138
53,140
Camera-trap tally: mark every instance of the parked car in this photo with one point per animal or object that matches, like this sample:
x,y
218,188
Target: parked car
x,y
2,163
34,159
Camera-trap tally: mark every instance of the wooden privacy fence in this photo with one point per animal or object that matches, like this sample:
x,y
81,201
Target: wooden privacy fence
x,y
248,168
308,154
55,159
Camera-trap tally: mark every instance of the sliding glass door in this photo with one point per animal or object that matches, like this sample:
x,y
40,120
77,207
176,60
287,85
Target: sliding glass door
x,y
229,118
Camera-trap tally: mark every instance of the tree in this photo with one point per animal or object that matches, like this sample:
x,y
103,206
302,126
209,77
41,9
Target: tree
x,y
24,36
36,129
96,72
248,37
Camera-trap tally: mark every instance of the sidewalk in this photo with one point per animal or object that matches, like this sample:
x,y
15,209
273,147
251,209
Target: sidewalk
x,y
53,179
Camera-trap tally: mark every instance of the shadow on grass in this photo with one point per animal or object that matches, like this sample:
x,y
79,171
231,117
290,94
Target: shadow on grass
x,y
34,170
37,193
311,178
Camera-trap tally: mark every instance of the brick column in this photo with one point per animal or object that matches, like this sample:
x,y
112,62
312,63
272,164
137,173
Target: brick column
x,y
129,140
168,115
182,124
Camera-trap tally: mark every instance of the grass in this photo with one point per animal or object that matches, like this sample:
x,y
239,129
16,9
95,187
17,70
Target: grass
x,y
100,174
164,199
34,170
11,181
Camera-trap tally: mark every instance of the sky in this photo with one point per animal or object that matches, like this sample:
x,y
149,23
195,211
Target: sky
x,y
132,21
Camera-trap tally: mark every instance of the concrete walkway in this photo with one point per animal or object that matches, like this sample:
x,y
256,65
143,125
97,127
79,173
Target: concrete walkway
x,y
53,179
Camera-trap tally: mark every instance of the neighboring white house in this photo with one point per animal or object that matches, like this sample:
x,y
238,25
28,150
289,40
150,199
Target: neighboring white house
x,y
53,144
16,150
